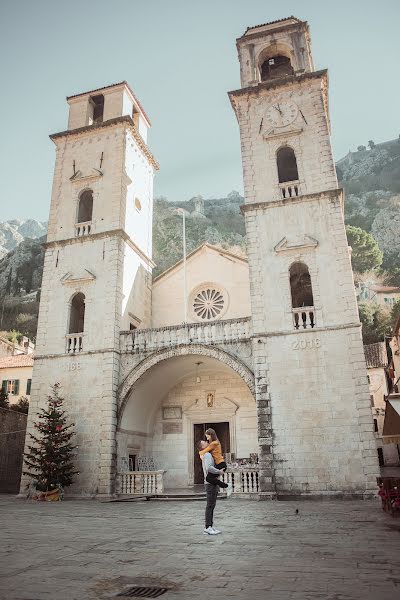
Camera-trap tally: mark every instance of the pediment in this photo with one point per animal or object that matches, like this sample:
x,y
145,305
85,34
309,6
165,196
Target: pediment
x,y
92,174
299,243
81,276
277,132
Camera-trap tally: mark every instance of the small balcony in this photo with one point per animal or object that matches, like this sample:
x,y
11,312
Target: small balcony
x,y
304,317
74,343
82,229
289,189
214,332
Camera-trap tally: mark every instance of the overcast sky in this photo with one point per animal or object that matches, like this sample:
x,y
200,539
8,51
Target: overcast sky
x,y
180,58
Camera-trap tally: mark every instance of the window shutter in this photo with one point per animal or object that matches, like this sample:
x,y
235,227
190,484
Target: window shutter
x,y
4,386
28,387
16,389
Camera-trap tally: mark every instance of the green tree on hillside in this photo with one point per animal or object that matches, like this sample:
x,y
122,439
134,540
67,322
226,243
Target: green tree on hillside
x,y
366,254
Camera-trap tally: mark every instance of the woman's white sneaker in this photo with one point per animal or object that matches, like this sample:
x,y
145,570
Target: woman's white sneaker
x,y
216,531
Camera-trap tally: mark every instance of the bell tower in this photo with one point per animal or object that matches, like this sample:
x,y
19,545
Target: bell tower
x,y
97,270
315,425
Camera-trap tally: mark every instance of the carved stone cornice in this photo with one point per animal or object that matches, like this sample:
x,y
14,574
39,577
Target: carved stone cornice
x,y
125,120
335,194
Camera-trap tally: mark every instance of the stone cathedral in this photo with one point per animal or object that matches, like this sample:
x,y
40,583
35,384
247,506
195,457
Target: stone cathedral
x,y
270,353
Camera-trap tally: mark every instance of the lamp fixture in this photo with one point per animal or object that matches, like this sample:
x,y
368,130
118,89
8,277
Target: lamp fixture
x,y
198,378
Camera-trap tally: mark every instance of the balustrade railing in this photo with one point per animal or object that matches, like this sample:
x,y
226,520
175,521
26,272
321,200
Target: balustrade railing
x,y
141,482
82,229
231,330
290,189
244,481
304,317
74,343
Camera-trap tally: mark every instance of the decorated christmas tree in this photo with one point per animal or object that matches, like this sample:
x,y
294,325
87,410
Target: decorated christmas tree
x,y
49,460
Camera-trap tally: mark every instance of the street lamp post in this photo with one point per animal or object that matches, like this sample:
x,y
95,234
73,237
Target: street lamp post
x,y
182,212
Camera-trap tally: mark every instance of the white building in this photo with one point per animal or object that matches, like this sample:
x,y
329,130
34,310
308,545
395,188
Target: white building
x,y
377,365
271,355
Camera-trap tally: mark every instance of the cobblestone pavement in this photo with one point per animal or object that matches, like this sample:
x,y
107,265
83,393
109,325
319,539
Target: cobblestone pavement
x,y
86,550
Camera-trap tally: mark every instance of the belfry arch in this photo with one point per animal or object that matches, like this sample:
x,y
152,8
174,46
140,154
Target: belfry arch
x,y
180,391
151,361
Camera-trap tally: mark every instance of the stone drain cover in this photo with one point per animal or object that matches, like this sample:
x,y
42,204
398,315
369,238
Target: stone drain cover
x,y
143,592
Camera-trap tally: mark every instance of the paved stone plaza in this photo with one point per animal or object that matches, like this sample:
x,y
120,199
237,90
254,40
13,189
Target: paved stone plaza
x,y
78,550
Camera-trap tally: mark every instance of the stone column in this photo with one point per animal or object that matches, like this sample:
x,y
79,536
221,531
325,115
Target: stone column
x,y
265,435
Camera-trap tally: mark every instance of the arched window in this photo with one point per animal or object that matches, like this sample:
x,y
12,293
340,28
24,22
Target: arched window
x,y
287,165
300,285
274,67
97,103
77,314
302,296
85,207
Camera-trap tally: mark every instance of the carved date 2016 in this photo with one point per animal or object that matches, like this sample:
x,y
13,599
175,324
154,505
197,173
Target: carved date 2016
x,y
306,344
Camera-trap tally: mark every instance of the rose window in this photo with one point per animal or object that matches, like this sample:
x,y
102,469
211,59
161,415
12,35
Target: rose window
x,y
208,304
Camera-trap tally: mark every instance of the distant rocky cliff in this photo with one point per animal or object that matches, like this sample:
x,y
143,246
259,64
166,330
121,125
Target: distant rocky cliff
x,y
14,232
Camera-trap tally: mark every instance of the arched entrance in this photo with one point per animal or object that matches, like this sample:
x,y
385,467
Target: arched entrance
x,y
165,402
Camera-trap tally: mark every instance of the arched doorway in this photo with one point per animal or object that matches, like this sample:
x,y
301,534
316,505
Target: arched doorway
x,y
166,406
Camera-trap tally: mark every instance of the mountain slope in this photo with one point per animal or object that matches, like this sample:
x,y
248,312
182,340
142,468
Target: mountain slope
x,y
370,177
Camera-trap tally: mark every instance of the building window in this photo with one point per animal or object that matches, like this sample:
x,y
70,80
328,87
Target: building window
x,y
85,207
300,285
132,462
287,165
376,425
28,387
77,314
208,304
97,103
303,311
380,457
276,66
371,399
10,386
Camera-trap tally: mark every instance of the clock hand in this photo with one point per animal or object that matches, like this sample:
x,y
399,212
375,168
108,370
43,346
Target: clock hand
x,y
305,121
261,124
278,109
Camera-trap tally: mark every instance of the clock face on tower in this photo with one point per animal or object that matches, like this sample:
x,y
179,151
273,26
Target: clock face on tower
x,y
281,114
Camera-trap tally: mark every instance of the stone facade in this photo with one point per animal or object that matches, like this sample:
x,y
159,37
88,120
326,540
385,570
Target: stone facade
x,y
315,428
108,261
288,380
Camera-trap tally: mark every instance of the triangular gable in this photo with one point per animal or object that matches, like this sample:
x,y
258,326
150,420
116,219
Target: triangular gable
x,y
206,246
79,176
296,244
80,277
